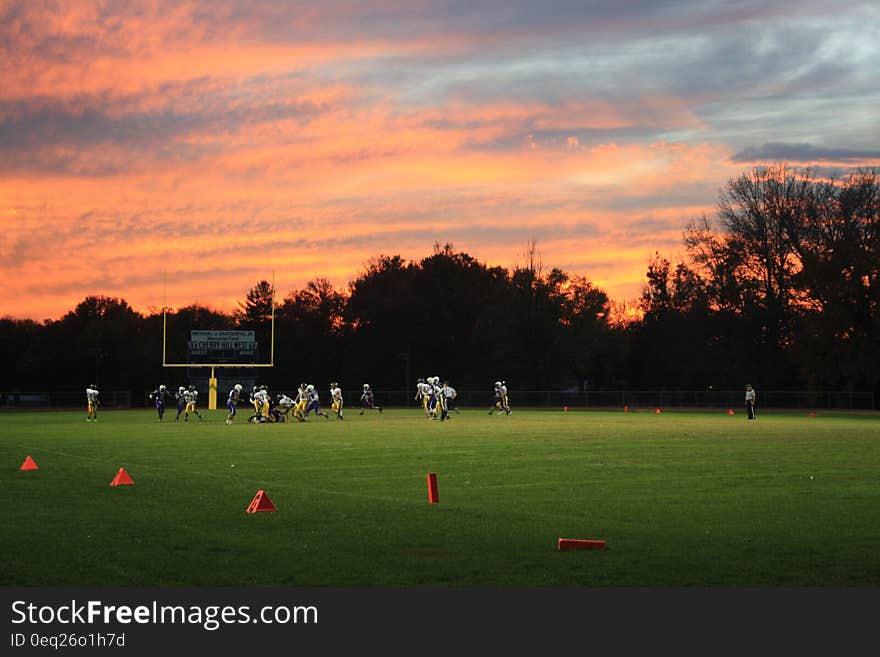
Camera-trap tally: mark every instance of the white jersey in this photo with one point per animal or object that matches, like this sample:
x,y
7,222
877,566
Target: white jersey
x,y
91,395
424,390
261,396
449,392
285,402
190,396
750,395
336,394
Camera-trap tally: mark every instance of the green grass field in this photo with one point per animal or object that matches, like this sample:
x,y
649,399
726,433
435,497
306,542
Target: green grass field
x,y
682,499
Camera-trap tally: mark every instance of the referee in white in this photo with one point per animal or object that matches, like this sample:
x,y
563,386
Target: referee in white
x,y
750,401
448,393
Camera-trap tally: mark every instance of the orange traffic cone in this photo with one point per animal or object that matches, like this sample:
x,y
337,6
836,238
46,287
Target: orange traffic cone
x,y
730,411
261,502
626,409
657,411
433,493
29,464
121,478
579,544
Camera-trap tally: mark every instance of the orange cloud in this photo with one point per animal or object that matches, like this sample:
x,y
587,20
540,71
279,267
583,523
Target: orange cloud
x,y
225,145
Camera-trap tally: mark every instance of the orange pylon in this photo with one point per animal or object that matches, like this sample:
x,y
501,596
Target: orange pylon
x,y
579,544
261,502
121,478
433,492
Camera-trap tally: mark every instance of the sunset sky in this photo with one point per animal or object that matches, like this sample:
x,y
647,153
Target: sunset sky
x,y
226,140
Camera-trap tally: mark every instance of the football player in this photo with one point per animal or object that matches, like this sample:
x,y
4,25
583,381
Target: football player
x,y
262,398
423,395
158,396
314,403
497,399
302,398
336,399
284,405
232,401
181,401
92,402
191,396
368,401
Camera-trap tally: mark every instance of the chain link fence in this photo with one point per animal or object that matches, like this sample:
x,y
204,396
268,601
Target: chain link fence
x,y
578,399
63,399
635,399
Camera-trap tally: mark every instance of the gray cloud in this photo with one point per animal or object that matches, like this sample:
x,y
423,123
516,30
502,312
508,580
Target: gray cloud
x,y
737,67
69,136
804,153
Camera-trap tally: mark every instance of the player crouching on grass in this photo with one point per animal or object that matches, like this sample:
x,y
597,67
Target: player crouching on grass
x,y
233,401
336,399
283,406
92,402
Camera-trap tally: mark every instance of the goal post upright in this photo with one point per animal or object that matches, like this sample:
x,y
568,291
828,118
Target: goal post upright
x,y
212,380
212,391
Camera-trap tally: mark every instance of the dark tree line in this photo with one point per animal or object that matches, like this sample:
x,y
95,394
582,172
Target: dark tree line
x,y
780,288
783,288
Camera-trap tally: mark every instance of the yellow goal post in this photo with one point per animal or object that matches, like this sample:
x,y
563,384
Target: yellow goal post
x,y
212,380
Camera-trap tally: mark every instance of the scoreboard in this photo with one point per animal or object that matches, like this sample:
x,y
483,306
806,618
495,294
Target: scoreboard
x,y
218,347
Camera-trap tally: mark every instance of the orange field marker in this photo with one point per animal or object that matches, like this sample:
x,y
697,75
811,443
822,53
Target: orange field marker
x,y
121,478
579,544
261,502
29,464
433,493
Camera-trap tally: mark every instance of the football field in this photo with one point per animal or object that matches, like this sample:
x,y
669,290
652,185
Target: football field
x,y
681,499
